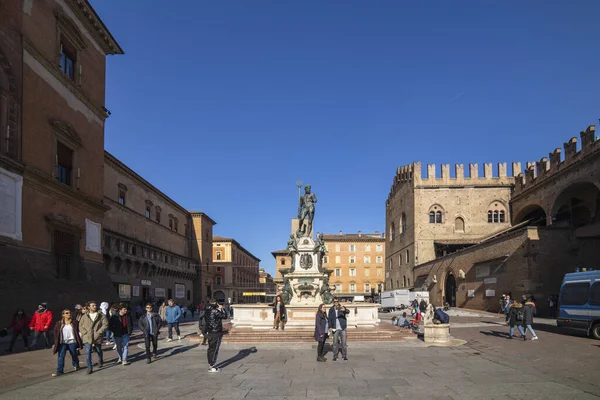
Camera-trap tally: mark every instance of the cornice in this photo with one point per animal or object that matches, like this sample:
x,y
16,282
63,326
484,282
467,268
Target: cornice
x,y
11,164
44,183
53,69
87,15
116,163
67,130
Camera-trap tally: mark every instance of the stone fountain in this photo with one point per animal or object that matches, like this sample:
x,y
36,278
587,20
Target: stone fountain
x,y
306,282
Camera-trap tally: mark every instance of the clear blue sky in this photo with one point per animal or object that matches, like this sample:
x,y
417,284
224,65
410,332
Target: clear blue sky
x,y
224,105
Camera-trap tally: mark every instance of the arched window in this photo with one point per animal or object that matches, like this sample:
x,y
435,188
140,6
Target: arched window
x,y
432,217
459,225
397,284
496,213
435,215
407,256
392,231
404,281
403,223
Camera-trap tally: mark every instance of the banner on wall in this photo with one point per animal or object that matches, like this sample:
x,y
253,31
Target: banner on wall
x,y
136,291
179,291
159,292
124,292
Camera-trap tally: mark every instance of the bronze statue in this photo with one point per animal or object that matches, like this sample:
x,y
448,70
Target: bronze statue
x,y
292,250
287,293
306,208
320,249
326,295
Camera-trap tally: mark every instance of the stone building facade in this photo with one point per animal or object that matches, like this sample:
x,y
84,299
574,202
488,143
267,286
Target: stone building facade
x,y
52,115
427,217
148,249
554,210
237,275
358,263
201,239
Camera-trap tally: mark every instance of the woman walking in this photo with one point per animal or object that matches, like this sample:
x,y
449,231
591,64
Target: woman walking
x,y
66,338
516,319
528,313
321,332
279,313
20,327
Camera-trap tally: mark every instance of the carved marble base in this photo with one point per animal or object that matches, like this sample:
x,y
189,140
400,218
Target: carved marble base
x,y
436,333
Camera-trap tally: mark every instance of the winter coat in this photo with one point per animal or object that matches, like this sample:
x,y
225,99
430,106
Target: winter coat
x,y
423,306
282,311
58,339
154,320
172,314
115,324
528,313
162,312
41,321
320,327
202,321
515,308
341,317
214,318
92,332
20,325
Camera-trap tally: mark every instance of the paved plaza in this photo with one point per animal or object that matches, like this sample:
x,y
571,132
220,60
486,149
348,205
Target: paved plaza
x,y
488,366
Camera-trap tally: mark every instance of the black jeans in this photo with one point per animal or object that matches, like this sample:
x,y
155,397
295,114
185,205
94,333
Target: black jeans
x,y
171,326
151,339
321,349
214,343
46,336
13,339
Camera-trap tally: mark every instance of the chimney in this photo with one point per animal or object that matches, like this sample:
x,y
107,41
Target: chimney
x,y
341,233
359,234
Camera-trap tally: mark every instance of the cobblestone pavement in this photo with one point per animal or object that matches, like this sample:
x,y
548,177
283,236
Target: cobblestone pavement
x,y
558,366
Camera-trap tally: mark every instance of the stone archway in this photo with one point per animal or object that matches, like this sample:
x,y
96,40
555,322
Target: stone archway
x,y
533,213
577,205
450,289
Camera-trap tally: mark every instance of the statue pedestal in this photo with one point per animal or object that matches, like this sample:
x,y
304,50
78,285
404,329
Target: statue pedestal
x,y
436,333
301,316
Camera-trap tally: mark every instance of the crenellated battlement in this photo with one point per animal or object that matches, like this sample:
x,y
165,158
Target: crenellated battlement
x,y
537,172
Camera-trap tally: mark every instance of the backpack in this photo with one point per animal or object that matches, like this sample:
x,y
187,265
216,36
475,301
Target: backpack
x,y
520,315
441,316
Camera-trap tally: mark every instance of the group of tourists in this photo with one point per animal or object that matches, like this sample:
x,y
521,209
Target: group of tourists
x,y
519,314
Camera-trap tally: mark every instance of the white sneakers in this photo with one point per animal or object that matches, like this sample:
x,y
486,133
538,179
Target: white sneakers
x,y
534,338
214,369
178,337
125,362
169,340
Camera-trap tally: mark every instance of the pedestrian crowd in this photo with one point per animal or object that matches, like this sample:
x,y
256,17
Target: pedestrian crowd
x,y
519,314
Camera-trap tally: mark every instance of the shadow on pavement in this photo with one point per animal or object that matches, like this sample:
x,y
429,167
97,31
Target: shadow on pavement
x,y
499,334
239,356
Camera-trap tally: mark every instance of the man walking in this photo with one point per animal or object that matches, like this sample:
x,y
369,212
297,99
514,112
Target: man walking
x,y
172,315
149,324
40,324
121,325
92,327
214,315
338,323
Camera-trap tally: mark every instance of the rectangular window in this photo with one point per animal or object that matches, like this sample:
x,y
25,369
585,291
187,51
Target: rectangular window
x,y
574,294
367,287
379,248
379,259
352,260
337,247
595,294
379,271
133,250
170,224
218,255
338,287
122,197
399,260
367,248
352,288
338,259
189,295
325,260
352,271
338,272
147,212
64,163
64,248
176,226
67,60
367,259
283,261
367,272
157,218
407,256
352,247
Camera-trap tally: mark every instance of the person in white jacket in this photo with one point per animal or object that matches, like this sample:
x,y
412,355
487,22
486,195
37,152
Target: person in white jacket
x,y
104,308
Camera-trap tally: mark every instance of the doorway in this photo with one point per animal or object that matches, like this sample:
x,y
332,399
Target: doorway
x,y
450,290
145,293
169,293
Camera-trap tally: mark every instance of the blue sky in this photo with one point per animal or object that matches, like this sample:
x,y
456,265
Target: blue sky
x,y
224,105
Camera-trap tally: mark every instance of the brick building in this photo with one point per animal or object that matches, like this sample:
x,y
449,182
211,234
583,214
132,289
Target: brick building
x,y
554,210
148,249
237,272
52,114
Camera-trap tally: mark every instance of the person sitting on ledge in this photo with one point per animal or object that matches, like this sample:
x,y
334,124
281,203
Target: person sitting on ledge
x,y
401,321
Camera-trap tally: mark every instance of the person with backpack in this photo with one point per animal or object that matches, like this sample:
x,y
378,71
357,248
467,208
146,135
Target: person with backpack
x,y
516,317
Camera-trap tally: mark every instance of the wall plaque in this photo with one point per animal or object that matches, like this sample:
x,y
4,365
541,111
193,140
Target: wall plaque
x,y
11,187
93,241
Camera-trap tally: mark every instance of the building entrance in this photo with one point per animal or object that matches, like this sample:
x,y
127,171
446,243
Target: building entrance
x,y
450,290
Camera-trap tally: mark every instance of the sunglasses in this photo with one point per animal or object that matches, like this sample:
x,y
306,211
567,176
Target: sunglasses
x,y
67,312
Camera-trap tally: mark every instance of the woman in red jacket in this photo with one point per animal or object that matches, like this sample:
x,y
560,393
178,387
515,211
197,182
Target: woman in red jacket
x,y
20,327
40,324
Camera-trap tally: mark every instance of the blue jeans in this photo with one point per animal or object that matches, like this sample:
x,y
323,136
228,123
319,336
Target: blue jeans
x,y
62,352
122,344
88,353
107,334
512,330
530,329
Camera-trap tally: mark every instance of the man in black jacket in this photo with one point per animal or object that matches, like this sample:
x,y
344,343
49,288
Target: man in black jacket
x,y
149,324
121,325
337,323
214,316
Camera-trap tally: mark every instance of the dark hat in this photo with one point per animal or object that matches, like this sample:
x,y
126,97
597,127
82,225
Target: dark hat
x,y
44,304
